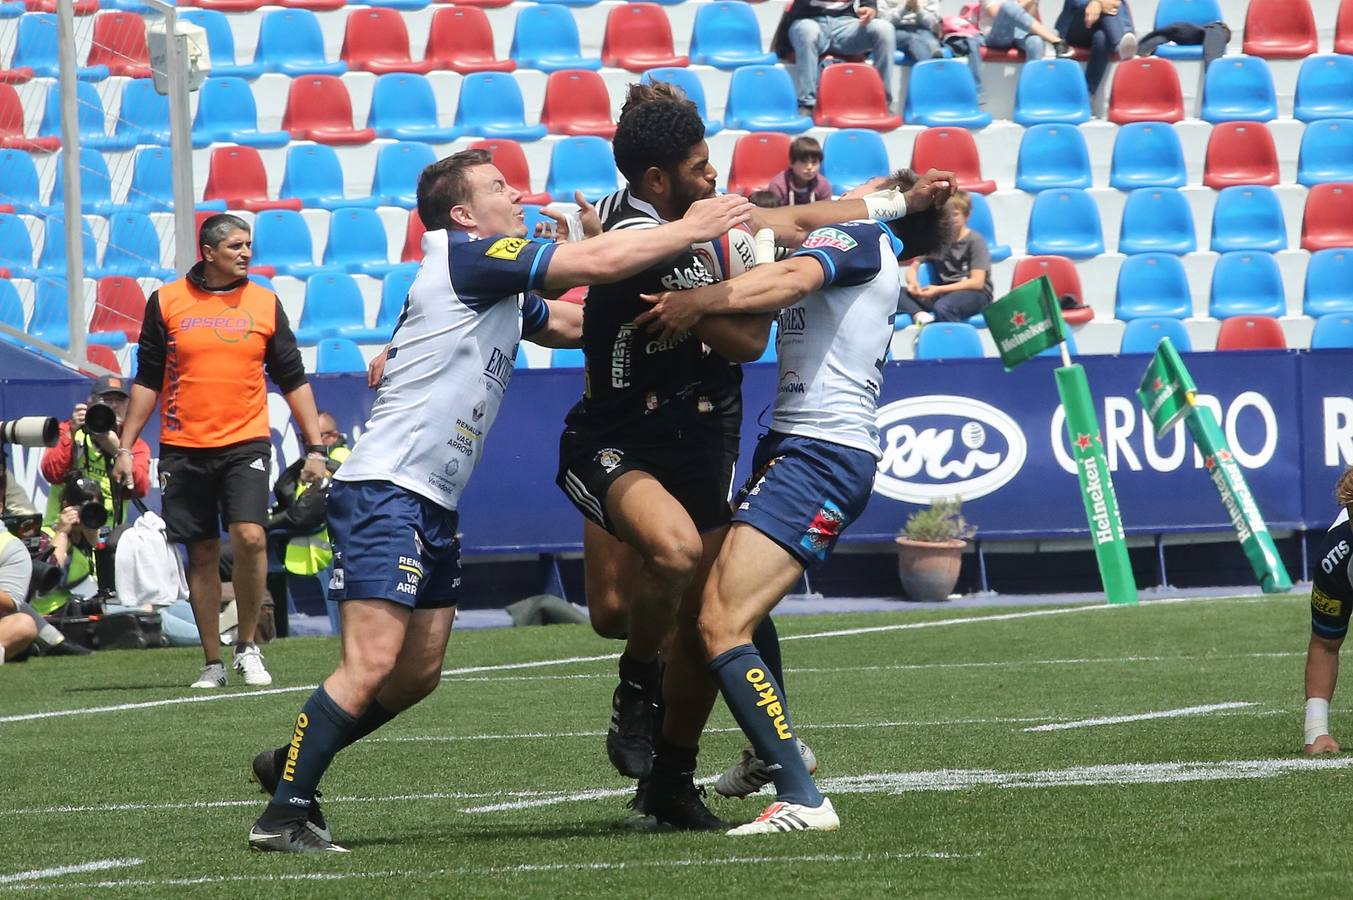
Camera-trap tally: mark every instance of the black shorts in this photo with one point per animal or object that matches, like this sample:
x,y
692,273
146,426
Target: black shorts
x,y
203,491
1331,591
695,466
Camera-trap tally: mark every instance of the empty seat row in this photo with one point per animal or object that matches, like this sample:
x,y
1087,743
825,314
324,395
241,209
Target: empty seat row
x,y
133,248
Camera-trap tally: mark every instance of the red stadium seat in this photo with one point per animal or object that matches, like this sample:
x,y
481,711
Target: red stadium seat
x,y
639,38
119,42
483,4
1065,280
1328,221
11,126
1240,153
20,75
576,103
320,110
236,175
850,95
1343,28
376,40
511,161
1251,333
314,5
1280,29
103,356
119,307
461,39
757,158
951,149
413,239
1146,90
82,7
228,6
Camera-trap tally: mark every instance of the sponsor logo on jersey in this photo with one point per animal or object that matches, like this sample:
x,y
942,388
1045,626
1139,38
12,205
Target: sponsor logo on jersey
x,y
830,237
792,320
336,579
609,458
650,401
790,383
1324,603
465,428
945,446
451,468
825,528
478,412
508,248
620,356
1332,559
499,369
413,571
704,405
769,702
231,328
687,277
659,346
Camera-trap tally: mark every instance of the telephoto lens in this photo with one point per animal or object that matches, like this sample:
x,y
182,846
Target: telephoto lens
x,y
31,431
100,418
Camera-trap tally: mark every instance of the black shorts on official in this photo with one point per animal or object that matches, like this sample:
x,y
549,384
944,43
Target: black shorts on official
x,y
1331,592
695,466
203,491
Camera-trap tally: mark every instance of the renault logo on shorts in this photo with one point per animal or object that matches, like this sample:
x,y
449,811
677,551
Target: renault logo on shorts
x,y
944,446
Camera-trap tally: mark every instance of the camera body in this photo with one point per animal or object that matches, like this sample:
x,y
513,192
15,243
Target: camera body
x,y
46,577
85,494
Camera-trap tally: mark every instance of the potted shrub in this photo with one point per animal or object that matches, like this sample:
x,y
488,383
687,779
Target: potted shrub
x,y
930,550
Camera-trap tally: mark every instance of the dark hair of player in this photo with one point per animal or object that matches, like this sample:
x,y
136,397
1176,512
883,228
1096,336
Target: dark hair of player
x,y
444,185
658,127
1343,489
765,199
924,233
219,227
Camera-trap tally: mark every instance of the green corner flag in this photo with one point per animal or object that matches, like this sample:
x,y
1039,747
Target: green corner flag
x,y
1025,322
1167,389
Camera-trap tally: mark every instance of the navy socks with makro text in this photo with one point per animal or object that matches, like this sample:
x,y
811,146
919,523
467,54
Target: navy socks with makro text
x,y
766,640
322,729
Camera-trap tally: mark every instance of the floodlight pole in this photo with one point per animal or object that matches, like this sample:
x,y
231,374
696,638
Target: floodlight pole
x,y
180,141
70,176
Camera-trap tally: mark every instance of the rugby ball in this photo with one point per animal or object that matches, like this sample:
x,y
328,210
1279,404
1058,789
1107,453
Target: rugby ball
x,y
730,255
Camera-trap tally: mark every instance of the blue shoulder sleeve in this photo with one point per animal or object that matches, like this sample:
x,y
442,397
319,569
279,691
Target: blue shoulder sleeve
x,y
535,314
495,268
849,253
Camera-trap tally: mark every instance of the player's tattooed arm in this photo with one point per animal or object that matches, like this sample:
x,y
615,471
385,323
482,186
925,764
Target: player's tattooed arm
x,y
765,289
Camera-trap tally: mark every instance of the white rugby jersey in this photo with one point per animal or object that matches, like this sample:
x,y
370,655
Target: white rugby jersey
x,y
450,361
831,344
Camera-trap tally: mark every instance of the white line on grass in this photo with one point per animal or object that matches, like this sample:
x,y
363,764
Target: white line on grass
x,y
1141,717
97,865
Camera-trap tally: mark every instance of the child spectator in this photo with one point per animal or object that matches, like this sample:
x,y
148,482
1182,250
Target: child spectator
x,y
803,181
962,275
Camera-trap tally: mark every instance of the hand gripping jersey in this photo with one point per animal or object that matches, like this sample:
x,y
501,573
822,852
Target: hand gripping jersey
x,y
831,344
450,360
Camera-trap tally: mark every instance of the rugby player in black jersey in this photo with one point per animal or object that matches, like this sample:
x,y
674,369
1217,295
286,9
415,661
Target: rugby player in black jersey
x,y
1331,603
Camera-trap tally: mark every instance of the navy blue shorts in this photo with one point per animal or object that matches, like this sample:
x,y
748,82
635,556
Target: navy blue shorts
x,y
804,492
391,544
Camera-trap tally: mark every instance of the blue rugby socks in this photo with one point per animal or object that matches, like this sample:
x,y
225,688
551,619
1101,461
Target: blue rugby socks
x,y
755,700
374,717
322,729
766,640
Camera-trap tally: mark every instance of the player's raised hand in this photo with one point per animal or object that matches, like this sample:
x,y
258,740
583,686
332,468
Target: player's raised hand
x,y
713,217
588,214
672,316
934,188
1321,745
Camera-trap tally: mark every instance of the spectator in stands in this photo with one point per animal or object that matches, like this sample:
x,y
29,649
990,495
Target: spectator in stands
x,y
918,26
1000,25
810,28
803,182
1105,26
765,199
962,275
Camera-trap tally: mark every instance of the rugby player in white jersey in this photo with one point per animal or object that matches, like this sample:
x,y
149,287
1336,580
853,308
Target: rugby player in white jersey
x,y
814,470
392,508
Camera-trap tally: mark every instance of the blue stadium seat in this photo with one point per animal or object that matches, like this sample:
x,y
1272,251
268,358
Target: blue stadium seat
x,y
152,187
403,107
567,358
1324,88
143,117
394,291
35,47
1329,282
1239,89
133,249
1248,217
949,340
357,243
1056,351
1333,332
96,185
11,9
582,164
546,38
314,176
1153,285
50,321
726,36
1052,156
19,185
16,248
1246,283
221,44
689,82
1065,222
1326,152
1147,154
1144,335
333,308
89,116
290,42
11,310
1157,220
397,169
404,5
227,114
531,216
980,220
942,92
761,98
1051,90
338,355
52,258
852,156
1197,12
491,105
282,240
570,2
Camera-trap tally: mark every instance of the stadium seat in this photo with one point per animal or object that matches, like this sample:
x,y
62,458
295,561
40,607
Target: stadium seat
x,y
1051,90
16,248
567,358
1247,284
1144,335
511,161
314,177
338,355
546,38
333,308
313,5
237,176
942,92
1251,332
1145,90
577,103
119,307
96,185
1052,156
949,340
1280,29
953,150
290,43
691,86
1240,153
143,117
1326,152
89,117
1239,88
757,158
1060,271
19,182
35,48
118,44
1153,285
376,40
404,107
981,221
1065,222
394,291
851,95
1328,218
494,4
491,105
221,44
152,188
282,243
461,39
11,310
1324,88
1343,28
12,134
227,114
761,98
357,243
852,156
1147,154
19,75
1329,282
726,35
1196,12
1333,332
133,249
227,6
50,321
582,164
413,239
1157,220
398,167
319,109
1248,218
404,5
638,38
99,355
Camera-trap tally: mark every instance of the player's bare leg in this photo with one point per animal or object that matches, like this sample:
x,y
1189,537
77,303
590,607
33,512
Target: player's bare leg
x,y
610,568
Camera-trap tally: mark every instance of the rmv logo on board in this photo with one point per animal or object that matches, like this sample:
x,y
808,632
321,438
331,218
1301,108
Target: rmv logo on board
x,y
946,446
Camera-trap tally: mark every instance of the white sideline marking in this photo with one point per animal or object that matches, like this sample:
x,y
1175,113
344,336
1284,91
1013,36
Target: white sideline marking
x,y
97,865
1141,717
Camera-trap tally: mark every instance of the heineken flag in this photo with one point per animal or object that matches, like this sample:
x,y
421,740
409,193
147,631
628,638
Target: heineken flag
x,y
1167,390
1025,322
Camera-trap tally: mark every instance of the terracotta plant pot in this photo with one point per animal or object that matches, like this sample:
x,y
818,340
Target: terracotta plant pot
x,y
929,570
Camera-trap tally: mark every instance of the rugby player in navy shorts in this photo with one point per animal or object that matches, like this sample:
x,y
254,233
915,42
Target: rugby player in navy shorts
x,y
1331,602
